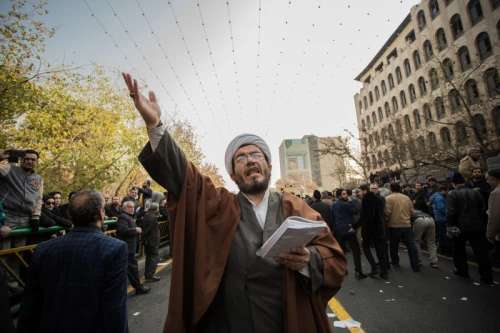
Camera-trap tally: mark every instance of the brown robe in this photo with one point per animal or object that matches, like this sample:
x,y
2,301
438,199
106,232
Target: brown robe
x,y
203,222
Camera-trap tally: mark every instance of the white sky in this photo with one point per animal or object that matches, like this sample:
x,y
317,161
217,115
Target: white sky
x,y
324,46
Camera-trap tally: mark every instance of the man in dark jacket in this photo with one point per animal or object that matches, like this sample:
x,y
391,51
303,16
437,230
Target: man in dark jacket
x,y
150,237
421,200
322,208
77,283
465,209
64,208
374,231
479,183
408,191
127,231
113,211
343,219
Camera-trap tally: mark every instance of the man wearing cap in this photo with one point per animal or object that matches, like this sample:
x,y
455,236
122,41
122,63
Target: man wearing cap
x,y
218,282
469,162
465,209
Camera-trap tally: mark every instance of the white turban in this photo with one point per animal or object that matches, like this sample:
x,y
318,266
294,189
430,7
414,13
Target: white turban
x,y
241,140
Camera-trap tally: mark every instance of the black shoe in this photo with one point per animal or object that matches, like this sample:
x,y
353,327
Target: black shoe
x,y
374,272
457,272
142,290
153,278
488,281
359,275
384,276
17,291
394,263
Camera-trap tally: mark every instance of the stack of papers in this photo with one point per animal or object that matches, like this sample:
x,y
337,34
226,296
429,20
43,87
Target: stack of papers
x,y
294,232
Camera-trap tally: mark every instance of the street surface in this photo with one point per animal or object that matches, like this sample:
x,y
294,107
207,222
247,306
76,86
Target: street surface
x,y
427,301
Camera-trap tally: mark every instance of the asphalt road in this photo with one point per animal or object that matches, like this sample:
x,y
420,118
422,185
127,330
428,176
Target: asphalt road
x,y
427,301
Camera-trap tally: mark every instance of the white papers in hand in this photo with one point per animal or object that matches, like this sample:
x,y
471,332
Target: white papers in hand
x,y
294,232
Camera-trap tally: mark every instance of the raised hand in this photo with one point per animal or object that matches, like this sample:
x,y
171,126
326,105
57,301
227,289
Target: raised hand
x,y
148,108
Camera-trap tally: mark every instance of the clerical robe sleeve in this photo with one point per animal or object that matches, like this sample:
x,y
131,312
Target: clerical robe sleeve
x,y
165,161
311,281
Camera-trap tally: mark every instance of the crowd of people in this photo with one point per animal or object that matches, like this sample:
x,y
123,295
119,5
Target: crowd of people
x,y
441,217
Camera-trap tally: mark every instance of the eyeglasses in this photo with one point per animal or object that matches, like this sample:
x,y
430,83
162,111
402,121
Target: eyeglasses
x,y
242,159
28,159
50,203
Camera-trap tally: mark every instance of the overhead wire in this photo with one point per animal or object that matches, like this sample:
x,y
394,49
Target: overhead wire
x,y
234,62
213,65
258,67
194,67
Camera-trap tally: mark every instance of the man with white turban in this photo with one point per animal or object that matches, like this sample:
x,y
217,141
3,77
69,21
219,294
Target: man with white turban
x,y
218,282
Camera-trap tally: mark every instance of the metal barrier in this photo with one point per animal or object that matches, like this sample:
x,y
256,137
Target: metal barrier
x,y
18,252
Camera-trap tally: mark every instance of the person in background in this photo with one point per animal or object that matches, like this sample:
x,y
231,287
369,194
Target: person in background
x,y
493,228
145,193
64,208
424,225
132,196
357,203
438,201
325,197
465,209
323,209
409,192
343,219
113,210
433,186
398,211
127,231
385,191
374,231
77,283
469,162
150,237
479,183
57,203
420,202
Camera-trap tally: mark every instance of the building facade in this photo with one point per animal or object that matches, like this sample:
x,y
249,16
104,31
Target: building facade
x,y
302,168
433,89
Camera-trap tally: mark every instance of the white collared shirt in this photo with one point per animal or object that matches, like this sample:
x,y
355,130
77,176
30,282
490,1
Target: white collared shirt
x,y
260,210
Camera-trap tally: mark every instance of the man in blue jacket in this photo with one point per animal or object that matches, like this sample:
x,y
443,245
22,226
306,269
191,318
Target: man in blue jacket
x,y
438,201
345,228
77,283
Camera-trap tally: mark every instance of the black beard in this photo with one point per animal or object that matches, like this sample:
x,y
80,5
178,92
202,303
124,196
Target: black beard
x,y
255,188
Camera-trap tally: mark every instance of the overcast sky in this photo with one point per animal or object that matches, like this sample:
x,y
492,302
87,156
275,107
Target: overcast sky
x,y
298,80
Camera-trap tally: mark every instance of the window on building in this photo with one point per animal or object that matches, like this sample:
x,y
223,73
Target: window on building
x,y
402,96
483,45
399,76
391,82
454,97
472,91
433,8
495,4
480,125
387,158
399,128
427,114
377,93
460,132
448,68
496,119
431,138
492,81
464,56
416,60
365,101
387,110
360,107
374,163
411,91
421,144
380,115
421,20
391,131
380,160
457,29
371,98
428,50
368,122
407,67
422,86
475,11
370,141
433,77
363,125
439,105
384,136
407,124
395,106
377,139
384,88
374,118
441,39
445,137
416,118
